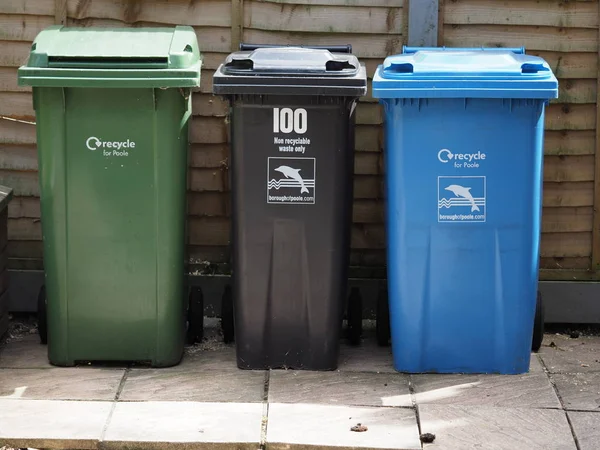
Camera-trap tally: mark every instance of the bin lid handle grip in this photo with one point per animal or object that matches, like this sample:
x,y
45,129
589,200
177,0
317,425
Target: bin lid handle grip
x,y
347,48
404,67
534,68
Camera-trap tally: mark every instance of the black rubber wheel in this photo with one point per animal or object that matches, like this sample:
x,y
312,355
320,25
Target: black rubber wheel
x,y
227,316
538,326
42,315
354,316
383,319
195,330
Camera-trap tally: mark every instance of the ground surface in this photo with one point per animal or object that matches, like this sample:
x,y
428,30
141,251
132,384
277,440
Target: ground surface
x,y
206,402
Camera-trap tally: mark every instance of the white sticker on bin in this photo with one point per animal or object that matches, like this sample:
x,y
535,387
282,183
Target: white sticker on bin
x,y
291,180
461,199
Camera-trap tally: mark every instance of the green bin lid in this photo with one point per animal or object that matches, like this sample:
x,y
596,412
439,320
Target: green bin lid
x,y
113,57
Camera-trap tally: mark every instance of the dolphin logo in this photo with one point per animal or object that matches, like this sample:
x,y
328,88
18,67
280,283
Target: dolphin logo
x,y
464,192
294,174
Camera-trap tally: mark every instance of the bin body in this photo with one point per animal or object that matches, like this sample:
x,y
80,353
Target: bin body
x,y
292,164
112,165
464,188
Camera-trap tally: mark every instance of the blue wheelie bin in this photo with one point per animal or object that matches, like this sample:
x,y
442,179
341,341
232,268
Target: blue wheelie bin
x,y
464,133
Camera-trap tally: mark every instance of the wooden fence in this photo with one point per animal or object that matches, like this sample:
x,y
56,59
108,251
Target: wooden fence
x,y
563,32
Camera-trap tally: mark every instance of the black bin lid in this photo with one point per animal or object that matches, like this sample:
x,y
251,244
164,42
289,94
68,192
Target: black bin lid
x,y
291,71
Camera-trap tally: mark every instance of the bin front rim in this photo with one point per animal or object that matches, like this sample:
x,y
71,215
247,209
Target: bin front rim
x,y
109,78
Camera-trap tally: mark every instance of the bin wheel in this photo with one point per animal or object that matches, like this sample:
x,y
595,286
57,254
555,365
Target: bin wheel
x,y
354,316
538,325
195,330
227,315
383,319
42,315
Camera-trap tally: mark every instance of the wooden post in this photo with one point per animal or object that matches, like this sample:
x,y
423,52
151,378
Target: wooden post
x,y
596,225
422,23
237,24
405,22
60,12
440,29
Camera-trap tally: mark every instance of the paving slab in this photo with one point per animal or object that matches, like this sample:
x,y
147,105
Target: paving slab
x,y
493,428
367,357
60,383
210,356
191,425
52,424
562,354
531,390
587,429
188,384
341,388
26,353
579,391
308,426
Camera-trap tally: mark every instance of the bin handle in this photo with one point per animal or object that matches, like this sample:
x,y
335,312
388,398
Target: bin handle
x,y
517,50
533,68
406,67
347,48
400,68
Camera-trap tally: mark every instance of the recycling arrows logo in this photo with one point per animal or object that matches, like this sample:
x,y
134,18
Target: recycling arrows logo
x,y
445,155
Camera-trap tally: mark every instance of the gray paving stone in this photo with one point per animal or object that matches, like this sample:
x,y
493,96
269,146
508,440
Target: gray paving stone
x,y
303,426
212,353
367,357
210,356
587,429
60,384
493,428
568,355
161,425
52,424
339,388
531,390
188,384
579,391
26,353
535,366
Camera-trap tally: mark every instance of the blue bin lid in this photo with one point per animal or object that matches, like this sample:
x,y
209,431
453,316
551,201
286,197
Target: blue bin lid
x,y
464,73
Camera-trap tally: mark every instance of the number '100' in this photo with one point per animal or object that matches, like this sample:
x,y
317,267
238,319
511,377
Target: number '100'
x,y
286,120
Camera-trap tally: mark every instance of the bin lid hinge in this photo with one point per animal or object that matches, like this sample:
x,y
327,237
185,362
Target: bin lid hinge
x,y
185,92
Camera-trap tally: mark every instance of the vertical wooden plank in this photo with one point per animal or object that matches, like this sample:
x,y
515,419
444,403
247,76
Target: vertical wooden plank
x,y
596,228
60,12
237,24
441,15
405,20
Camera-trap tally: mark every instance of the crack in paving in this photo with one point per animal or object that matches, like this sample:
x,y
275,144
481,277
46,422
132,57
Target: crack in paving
x,y
265,412
415,406
115,401
582,410
560,399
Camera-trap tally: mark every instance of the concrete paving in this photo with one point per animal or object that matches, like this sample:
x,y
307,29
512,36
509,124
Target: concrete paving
x,y
207,403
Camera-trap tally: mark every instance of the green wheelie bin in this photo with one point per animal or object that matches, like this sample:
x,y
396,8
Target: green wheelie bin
x,y
112,110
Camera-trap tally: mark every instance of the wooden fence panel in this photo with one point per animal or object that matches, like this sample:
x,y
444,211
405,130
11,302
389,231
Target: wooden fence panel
x,y
566,35
375,28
